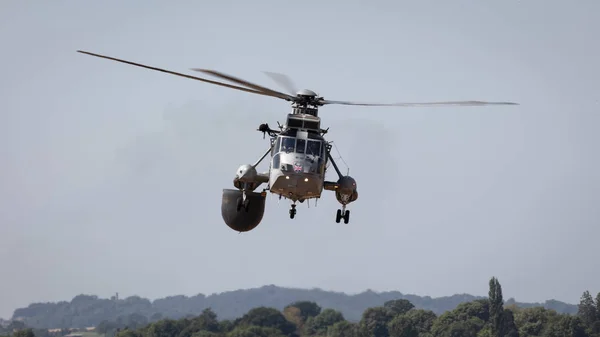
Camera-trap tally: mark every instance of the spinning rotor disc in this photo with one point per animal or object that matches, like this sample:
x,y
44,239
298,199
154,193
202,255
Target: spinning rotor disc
x,y
304,97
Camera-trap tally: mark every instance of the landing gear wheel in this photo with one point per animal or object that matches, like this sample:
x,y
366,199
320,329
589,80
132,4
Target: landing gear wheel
x,y
347,217
241,203
338,216
292,211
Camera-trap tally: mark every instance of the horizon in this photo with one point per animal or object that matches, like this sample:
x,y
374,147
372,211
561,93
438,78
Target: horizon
x,y
112,175
508,298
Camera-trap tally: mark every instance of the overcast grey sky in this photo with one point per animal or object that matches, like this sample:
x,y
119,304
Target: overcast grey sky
x,y
111,175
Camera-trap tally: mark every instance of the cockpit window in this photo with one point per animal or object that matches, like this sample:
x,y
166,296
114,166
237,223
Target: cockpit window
x,y
313,148
288,144
276,145
300,144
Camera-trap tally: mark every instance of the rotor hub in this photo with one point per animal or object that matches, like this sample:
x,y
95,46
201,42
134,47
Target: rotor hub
x,y
306,93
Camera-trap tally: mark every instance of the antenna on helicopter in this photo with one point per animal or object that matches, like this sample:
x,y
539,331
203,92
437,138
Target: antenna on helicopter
x,y
341,158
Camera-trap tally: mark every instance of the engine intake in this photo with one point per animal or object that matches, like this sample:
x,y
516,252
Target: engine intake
x,y
246,218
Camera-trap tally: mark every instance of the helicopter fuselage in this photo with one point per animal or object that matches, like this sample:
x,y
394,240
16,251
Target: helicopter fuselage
x,y
299,156
297,170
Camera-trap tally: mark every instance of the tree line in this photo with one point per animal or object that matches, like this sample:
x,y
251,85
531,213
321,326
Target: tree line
x,y
88,310
484,317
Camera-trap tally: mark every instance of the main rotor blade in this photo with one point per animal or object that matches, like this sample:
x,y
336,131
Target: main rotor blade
x,y
246,83
425,104
284,81
180,74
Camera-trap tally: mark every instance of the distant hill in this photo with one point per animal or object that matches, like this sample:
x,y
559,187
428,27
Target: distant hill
x,y
87,310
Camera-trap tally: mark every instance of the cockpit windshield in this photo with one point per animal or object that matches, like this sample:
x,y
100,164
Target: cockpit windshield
x,y
307,146
313,148
300,145
288,144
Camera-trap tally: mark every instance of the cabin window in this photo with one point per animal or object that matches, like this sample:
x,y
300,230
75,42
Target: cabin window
x,y
313,147
300,145
276,162
288,144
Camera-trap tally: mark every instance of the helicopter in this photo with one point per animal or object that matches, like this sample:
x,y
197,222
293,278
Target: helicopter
x,y
299,152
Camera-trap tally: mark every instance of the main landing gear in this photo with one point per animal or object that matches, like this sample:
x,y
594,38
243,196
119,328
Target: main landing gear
x,y
342,214
292,211
243,202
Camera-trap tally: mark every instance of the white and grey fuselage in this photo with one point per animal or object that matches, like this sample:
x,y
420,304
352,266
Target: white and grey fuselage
x,y
298,160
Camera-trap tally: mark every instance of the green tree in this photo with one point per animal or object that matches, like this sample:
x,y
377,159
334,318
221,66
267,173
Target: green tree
x,y
206,321
374,322
267,317
486,331
469,328
398,307
467,318
163,328
595,329
402,326
587,309
478,308
533,321
318,325
496,303
307,308
294,316
598,307
255,331
566,325
509,328
342,329
205,333
421,319
299,312
226,325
